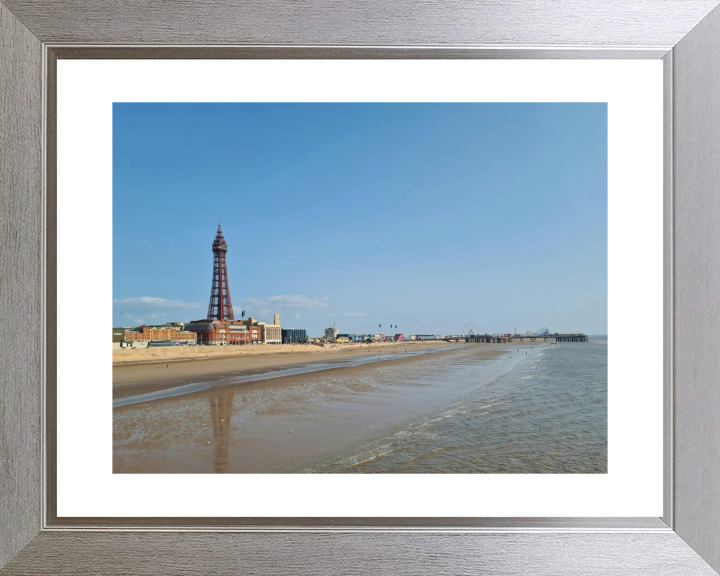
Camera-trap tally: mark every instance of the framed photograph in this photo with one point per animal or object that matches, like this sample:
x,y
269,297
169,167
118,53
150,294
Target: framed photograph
x,y
418,290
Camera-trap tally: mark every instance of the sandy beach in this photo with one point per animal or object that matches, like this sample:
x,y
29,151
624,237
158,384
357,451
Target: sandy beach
x,y
182,353
143,365
292,420
174,370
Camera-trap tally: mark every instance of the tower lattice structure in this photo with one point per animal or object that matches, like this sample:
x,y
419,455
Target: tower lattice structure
x,y
220,307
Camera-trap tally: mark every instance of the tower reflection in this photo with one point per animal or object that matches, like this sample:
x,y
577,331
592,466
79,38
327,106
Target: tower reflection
x,y
221,412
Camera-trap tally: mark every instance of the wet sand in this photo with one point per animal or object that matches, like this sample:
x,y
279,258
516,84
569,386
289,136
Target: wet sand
x,y
220,373
284,424
172,363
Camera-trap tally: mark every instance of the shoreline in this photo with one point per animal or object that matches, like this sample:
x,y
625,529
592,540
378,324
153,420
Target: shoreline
x,y
293,422
199,377
197,361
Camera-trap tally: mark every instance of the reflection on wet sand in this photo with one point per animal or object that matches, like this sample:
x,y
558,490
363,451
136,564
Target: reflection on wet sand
x,y
471,410
221,414
149,391
287,423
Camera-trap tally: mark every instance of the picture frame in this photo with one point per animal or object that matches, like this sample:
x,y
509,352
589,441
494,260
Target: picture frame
x,y
685,34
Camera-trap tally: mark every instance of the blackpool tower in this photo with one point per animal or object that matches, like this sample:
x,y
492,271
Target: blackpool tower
x,y
220,307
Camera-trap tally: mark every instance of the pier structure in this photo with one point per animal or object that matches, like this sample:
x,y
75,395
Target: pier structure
x,y
503,338
533,337
579,337
570,337
479,338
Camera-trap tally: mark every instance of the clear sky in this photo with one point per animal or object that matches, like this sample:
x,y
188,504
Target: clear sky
x,y
428,216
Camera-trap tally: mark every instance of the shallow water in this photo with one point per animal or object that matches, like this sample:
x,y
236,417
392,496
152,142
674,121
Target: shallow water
x,y
549,415
454,412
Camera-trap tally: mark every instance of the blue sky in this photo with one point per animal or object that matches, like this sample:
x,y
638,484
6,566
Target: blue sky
x,y
428,216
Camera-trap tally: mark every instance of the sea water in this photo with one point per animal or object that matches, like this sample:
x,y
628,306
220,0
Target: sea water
x,y
547,415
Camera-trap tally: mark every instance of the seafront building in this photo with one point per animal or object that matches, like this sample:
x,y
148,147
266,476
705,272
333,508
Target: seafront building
x,y
349,338
218,333
143,335
270,333
331,334
158,334
204,332
294,336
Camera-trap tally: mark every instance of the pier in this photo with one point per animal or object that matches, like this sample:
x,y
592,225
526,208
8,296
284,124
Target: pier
x,y
477,338
494,339
570,337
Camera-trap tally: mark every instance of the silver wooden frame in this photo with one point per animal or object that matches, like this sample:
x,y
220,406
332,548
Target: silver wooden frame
x,y
684,33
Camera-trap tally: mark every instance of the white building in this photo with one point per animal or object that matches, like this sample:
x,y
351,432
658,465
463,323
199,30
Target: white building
x,y
270,333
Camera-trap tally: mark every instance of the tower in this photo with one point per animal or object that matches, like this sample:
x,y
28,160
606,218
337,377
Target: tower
x,y
220,307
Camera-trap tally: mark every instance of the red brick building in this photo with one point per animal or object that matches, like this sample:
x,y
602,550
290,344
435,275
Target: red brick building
x,y
219,333
158,333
